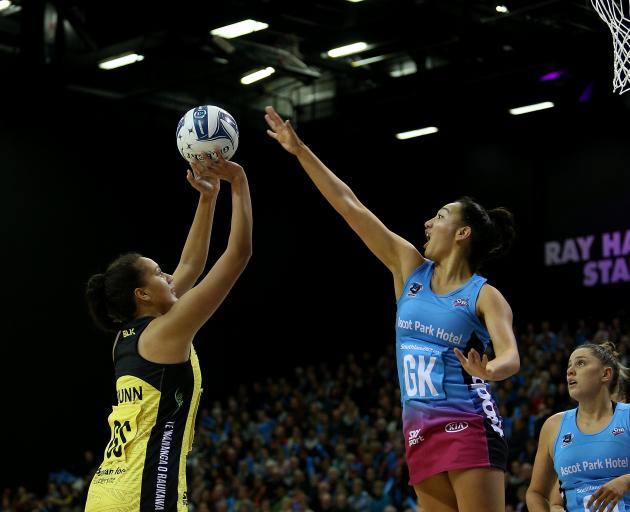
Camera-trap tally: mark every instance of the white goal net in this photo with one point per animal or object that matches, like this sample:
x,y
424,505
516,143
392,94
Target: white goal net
x,y
616,15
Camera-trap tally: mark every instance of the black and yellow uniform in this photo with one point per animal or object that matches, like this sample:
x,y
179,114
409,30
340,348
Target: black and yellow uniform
x,y
144,466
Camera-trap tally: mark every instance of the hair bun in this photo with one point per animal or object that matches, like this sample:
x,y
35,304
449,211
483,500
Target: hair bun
x,y
610,347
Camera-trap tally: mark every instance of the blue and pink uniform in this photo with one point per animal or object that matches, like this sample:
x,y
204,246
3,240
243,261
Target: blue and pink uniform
x,y
585,462
450,419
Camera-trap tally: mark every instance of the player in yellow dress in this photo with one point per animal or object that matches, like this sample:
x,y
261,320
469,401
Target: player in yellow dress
x,y
158,382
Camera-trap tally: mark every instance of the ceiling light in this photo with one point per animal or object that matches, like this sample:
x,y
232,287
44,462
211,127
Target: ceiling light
x,y
257,75
404,68
342,51
355,1
531,108
239,29
4,4
416,133
121,60
369,60
502,9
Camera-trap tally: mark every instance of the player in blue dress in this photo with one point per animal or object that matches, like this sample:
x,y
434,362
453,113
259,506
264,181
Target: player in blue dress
x,y
556,500
446,317
587,448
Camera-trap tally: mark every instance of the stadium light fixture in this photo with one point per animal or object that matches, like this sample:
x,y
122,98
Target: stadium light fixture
x,y
121,60
369,60
531,108
239,29
348,49
257,75
416,133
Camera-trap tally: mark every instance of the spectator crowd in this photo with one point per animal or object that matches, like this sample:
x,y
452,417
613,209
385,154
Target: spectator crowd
x,y
328,438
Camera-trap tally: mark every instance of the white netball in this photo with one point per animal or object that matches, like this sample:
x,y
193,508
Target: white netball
x,y
205,131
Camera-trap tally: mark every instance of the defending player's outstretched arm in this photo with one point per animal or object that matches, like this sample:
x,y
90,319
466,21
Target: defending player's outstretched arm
x,y
396,253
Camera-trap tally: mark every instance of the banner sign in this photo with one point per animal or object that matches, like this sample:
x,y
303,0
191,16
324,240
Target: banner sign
x,y
603,257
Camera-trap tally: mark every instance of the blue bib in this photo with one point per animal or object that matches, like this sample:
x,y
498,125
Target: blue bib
x,y
584,462
428,327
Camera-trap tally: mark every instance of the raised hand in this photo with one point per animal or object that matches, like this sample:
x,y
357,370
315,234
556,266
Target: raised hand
x,y
474,364
282,131
217,169
202,180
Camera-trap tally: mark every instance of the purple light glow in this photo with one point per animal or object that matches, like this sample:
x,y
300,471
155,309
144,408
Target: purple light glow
x,y
554,75
586,93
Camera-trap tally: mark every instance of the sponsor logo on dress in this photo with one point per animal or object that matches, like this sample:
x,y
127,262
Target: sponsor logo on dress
x,y
414,289
430,329
618,430
594,465
415,437
566,440
179,399
460,302
456,426
487,404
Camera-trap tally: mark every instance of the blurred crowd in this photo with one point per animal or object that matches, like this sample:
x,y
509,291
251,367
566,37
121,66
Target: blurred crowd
x,y
329,438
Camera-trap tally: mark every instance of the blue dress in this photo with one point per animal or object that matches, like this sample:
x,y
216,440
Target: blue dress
x,y
450,419
584,462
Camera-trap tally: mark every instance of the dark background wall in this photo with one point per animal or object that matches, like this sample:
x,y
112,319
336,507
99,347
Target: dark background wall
x,y
86,179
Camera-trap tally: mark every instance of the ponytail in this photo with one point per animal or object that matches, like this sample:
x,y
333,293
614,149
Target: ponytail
x,y
493,231
607,353
110,295
97,306
623,387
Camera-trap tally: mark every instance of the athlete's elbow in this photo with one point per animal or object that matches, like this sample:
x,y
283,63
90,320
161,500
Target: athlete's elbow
x,y
511,369
512,363
534,499
247,250
242,254
240,248
516,363
347,205
248,256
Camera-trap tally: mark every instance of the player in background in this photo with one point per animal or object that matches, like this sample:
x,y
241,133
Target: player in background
x,y
586,450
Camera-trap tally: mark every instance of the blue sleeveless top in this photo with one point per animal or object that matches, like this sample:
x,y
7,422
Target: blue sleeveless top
x,y
584,462
428,327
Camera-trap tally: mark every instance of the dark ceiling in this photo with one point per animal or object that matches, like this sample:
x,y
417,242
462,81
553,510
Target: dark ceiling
x,y
457,53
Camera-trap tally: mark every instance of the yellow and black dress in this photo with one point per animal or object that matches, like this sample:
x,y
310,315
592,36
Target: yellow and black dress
x,y
144,466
